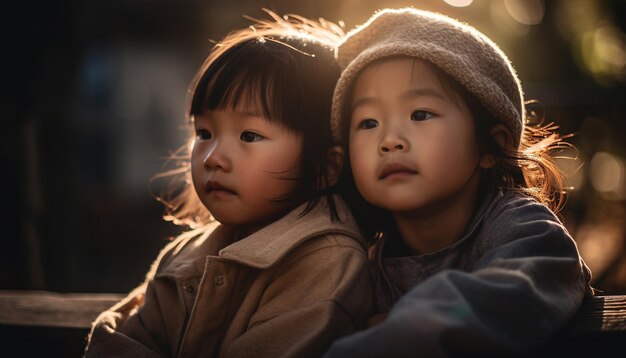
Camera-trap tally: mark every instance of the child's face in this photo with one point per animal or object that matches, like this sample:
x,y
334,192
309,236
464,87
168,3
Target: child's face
x,y
412,145
240,163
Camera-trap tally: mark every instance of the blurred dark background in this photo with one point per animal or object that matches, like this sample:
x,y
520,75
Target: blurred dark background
x,y
94,91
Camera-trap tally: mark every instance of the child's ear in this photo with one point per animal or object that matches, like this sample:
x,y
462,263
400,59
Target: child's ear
x,y
335,162
502,135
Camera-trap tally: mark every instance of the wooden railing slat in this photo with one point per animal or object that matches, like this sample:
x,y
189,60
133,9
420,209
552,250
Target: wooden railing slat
x,y
78,310
51,309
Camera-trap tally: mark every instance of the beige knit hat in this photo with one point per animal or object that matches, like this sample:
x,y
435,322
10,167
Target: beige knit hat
x,y
460,50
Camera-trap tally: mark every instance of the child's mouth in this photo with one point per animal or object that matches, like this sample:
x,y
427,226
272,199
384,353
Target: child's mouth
x,y
396,170
216,187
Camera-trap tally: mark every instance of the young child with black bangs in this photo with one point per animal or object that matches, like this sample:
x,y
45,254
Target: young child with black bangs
x,y
457,190
275,265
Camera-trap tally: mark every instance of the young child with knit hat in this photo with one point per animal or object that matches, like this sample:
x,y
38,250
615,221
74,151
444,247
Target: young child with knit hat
x,y
457,191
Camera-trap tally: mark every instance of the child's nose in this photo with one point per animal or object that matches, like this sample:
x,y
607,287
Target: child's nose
x,y
391,147
216,159
393,142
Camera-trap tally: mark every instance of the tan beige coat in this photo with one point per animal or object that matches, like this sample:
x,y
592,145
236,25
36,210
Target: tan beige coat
x,y
289,290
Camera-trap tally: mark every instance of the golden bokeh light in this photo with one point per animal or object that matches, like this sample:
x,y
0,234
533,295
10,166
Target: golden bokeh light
x,y
606,174
597,44
459,3
604,52
527,12
503,20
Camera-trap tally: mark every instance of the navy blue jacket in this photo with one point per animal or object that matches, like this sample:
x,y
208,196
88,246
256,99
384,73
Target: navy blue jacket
x,y
512,281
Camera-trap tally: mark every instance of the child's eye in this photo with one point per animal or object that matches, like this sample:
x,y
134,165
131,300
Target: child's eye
x,y
420,115
368,124
203,134
248,136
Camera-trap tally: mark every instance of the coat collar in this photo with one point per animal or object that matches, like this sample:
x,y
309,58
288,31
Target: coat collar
x,y
270,244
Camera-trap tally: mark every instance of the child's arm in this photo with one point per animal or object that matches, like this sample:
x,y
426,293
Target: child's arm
x,y
120,331
320,292
524,288
105,340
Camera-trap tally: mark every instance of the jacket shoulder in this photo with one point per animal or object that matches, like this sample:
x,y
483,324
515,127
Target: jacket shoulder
x,y
328,247
179,247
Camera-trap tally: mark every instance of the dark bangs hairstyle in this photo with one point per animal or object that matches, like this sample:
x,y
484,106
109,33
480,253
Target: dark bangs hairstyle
x,y
530,169
285,70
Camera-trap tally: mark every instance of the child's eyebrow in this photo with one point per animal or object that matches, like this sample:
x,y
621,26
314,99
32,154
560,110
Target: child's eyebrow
x,y
409,94
362,102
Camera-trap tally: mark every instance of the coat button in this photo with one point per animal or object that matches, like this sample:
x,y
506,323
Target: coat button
x,y
188,287
219,280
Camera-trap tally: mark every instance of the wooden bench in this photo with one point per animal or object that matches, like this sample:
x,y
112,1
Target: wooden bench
x,y
49,324
598,329
56,324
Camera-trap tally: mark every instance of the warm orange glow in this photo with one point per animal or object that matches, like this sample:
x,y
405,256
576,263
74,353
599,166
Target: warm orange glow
x,y
600,239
